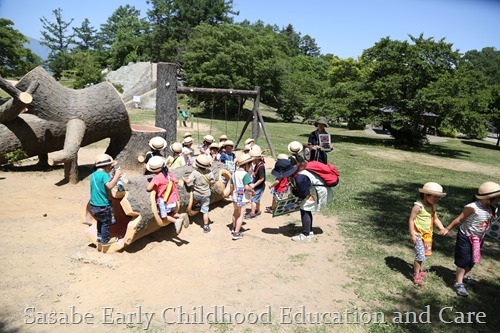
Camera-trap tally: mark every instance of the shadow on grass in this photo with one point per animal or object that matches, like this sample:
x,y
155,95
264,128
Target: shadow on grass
x,y
399,265
484,145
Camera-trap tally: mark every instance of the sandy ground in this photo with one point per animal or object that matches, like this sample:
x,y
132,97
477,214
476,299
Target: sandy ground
x,y
54,280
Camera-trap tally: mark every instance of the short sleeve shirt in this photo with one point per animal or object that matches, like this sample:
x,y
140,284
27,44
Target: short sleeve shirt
x,y
98,189
201,182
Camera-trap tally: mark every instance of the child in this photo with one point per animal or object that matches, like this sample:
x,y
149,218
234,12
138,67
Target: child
x,y
246,149
100,205
214,151
176,159
202,179
222,139
295,148
187,144
280,188
167,197
207,141
157,145
474,221
227,156
240,182
422,218
258,181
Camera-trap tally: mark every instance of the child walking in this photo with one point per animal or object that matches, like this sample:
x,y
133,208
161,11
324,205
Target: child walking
x,y
240,182
100,205
423,217
167,196
202,179
474,221
280,188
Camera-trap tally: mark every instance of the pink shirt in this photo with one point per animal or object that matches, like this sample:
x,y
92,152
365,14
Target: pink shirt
x,y
160,182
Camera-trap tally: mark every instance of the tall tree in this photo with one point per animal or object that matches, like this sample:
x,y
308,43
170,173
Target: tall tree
x,y
15,58
110,28
308,47
57,39
86,37
293,39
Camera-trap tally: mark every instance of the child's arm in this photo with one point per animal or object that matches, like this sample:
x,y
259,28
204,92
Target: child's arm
x,y
275,183
437,222
250,189
463,215
150,186
112,182
411,222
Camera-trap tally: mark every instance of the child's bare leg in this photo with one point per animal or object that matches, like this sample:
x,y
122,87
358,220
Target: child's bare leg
x,y
257,207
236,213
239,220
460,273
205,219
417,266
169,219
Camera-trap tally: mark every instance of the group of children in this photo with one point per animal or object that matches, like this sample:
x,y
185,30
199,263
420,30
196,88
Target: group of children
x,y
473,222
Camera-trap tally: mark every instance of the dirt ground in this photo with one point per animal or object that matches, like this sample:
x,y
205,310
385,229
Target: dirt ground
x,y
54,280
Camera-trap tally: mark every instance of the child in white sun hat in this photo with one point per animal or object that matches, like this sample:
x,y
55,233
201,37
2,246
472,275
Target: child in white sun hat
x,y
474,221
423,217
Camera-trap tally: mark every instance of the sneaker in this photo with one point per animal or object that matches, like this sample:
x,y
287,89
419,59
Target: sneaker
x,y
250,216
237,235
111,241
460,289
302,238
423,274
311,233
417,279
99,240
468,280
178,224
185,217
268,210
206,229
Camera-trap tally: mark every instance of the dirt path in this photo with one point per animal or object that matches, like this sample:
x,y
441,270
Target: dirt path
x,y
48,265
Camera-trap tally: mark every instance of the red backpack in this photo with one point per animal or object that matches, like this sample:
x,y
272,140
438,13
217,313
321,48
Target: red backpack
x,y
327,172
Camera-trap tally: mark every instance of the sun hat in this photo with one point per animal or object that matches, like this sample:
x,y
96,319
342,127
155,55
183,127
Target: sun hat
x,y
488,190
208,138
203,161
214,145
223,137
103,160
228,143
294,147
247,147
432,188
243,159
283,168
176,147
249,141
321,120
187,134
187,140
158,143
255,151
155,163
282,157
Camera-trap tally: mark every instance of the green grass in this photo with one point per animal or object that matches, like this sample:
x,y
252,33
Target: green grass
x,y
378,186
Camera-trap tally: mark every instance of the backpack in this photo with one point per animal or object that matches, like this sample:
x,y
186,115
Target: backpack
x,y
327,172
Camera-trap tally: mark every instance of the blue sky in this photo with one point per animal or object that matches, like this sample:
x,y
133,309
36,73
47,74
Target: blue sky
x,y
344,28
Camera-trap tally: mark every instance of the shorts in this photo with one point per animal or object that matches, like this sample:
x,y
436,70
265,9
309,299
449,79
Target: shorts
x,y
204,202
258,194
419,249
165,208
463,251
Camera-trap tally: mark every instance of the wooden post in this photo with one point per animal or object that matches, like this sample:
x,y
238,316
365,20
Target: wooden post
x,y
166,99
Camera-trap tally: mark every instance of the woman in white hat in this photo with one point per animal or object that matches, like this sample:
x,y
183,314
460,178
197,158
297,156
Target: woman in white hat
x,y
474,221
167,195
100,205
176,159
240,183
202,179
423,217
319,142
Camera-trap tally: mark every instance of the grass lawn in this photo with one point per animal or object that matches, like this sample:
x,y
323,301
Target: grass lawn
x,y
378,186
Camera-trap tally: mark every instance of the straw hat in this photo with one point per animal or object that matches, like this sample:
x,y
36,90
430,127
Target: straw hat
x,y
488,190
321,120
187,134
294,147
223,137
187,140
228,143
214,145
282,157
103,160
249,141
255,151
158,143
283,168
243,159
155,163
203,161
432,188
176,147
208,138
247,148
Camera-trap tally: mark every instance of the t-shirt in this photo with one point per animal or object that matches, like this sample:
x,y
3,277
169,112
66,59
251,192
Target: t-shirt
x,y
98,189
423,220
175,161
201,182
316,154
239,179
259,172
161,182
477,223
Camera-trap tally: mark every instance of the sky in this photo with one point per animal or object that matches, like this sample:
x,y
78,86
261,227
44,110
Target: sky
x,y
340,27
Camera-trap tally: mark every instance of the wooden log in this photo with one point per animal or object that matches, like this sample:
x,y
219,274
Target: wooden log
x,y
136,212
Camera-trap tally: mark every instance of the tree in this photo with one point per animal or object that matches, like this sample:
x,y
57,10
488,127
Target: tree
x,y
308,47
86,69
15,58
293,39
55,37
110,28
86,37
487,61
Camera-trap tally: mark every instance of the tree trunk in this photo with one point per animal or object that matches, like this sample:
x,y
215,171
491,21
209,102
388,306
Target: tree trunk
x,y
135,209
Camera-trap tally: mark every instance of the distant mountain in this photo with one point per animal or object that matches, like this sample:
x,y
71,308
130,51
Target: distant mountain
x,y
37,48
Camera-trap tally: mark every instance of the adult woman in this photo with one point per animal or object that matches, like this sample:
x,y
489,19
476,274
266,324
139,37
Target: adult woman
x,y
319,142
